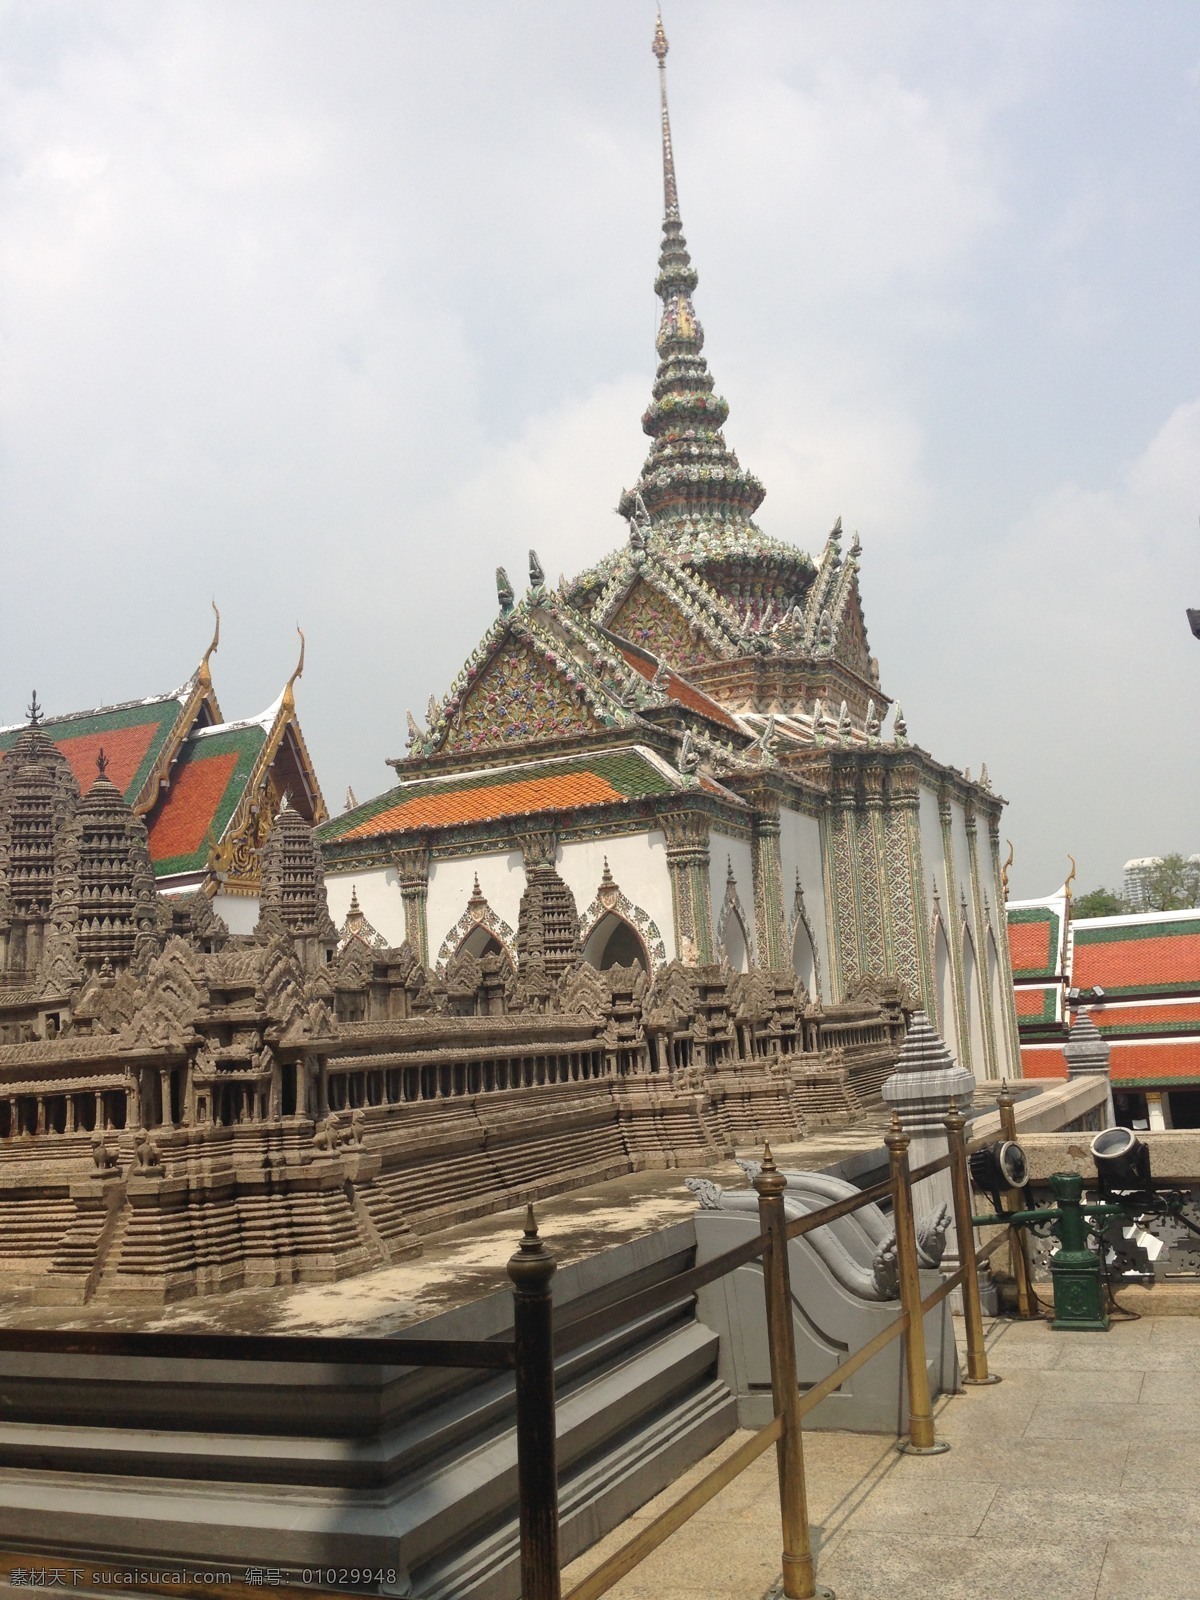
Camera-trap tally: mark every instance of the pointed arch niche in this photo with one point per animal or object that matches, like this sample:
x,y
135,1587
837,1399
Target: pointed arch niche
x,y
973,995
614,932
943,986
479,931
995,988
806,963
733,936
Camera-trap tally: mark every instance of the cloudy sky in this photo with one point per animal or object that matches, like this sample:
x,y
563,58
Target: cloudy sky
x,y
325,310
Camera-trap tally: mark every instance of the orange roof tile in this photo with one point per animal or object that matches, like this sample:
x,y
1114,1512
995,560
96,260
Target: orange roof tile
x,y
1043,1063
1167,961
1029,946
680,690
1149,1062
125,749
482,803
181,826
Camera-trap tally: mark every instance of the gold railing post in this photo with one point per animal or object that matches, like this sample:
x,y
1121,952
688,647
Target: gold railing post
x,y
531,1270
921,1440
799,1579
977,1365
1027,1307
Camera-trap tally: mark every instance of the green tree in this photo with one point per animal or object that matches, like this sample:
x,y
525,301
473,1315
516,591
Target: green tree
x,y
1099,903
1172,884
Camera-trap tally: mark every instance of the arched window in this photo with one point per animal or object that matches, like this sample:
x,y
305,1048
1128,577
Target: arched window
x,y
479,943
973,1021
804,958
944,986
736,945
613,942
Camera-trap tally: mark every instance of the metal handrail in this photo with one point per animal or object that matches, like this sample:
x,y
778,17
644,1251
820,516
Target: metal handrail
x,y
531,1351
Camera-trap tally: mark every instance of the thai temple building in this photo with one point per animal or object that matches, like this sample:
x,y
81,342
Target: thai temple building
x,y
206,790
1137,976
684,751
653,883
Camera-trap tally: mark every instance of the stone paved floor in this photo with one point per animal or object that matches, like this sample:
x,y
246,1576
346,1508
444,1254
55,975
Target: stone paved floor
x,y
1073,1479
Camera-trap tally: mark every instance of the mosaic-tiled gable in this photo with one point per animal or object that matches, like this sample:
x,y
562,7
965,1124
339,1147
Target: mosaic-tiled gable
x,y
518,698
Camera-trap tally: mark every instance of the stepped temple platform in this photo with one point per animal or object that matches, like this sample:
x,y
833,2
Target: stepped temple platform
x,y
1073,1479
458,1264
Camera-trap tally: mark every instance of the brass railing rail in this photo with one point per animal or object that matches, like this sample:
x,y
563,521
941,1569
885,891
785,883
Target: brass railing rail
x,y
531,1351
799,1578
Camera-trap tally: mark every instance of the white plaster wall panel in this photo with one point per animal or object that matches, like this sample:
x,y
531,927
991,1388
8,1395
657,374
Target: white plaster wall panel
x,y
931,851
501,879
721,851
238,912
637,861
379,899
800,849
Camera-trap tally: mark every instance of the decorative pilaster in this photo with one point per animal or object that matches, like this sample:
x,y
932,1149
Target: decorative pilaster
x,y
1012,1039
412,873
954,936
900,825
876,932
691,898
982,925
844,880
769,919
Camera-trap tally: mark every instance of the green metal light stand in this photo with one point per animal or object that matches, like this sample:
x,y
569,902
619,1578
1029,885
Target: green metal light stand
x,y
1075,1270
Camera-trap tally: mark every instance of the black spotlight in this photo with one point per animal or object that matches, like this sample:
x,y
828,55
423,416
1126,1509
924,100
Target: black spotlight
x,y
997,1167
1122,1163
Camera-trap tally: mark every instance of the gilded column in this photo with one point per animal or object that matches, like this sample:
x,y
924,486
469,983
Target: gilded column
x,y
769,917
412,871
691,896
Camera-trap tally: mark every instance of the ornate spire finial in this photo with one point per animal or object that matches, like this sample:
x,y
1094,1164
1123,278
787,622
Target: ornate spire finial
x,y
670,192
289,693
34,711
101,761
691,481
216,640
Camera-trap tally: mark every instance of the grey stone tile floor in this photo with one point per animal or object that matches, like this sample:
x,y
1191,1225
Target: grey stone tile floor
x,y
1073,1479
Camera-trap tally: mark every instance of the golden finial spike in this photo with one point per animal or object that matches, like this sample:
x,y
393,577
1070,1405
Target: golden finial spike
x,y
289,691
768,1159
216,640
670,192
530,1222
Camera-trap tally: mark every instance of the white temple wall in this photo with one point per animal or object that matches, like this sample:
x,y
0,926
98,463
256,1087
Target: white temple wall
x,y
501,876
722,851
239,912
637,861
800,849
378,898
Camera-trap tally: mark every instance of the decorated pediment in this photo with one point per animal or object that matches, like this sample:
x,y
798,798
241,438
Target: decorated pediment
x,y
650,619
519,696
850,646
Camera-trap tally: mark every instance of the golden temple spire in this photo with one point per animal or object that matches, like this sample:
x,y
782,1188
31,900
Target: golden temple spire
x,y
670,192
